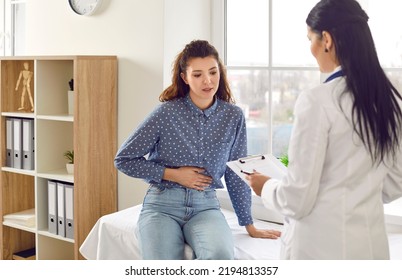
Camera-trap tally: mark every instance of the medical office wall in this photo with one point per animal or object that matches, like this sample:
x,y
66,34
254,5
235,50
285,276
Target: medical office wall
x,y
144,35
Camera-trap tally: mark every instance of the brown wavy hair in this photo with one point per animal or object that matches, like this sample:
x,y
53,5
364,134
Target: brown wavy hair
x,y
195,49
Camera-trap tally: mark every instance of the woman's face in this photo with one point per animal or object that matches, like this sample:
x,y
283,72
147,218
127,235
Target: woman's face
x,y
327,61
202,76
317,47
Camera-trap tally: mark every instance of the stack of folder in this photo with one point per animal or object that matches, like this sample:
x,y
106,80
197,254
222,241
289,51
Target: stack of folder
x,y
20,143
61,208
23,218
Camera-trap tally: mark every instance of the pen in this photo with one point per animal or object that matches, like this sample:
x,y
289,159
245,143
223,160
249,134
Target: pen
x,y
246,172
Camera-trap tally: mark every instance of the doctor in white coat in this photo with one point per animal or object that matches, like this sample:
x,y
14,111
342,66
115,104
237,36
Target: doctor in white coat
x,y
345,156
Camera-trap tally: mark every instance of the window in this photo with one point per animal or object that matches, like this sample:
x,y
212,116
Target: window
x,y
267,55
18,11
12,27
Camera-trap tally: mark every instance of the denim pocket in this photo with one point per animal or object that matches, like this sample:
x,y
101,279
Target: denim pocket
x,y
156,189
209,193
211,200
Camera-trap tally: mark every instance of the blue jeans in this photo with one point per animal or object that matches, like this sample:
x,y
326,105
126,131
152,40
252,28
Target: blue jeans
x,y
171,217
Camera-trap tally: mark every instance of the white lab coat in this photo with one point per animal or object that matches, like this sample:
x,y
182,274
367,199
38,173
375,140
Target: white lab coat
x,y
332,197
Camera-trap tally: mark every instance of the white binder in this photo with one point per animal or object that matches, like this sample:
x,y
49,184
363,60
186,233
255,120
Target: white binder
x,y
17,141
61,222
28,144
9,142
69,200
52,206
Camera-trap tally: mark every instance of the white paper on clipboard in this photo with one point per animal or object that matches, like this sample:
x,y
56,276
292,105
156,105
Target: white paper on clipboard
x,y
266,164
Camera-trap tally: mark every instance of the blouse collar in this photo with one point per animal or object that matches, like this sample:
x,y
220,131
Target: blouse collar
x,y
335,74
197,111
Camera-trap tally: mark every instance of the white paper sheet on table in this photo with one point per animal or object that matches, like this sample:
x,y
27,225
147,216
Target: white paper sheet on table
x,y
266,164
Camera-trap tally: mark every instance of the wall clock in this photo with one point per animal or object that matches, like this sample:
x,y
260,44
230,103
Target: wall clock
x,y
84,7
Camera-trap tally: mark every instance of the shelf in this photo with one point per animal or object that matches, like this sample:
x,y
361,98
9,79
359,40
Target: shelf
x,y
53,248
63,118
18,226
58,175
45,232
18,171
18,115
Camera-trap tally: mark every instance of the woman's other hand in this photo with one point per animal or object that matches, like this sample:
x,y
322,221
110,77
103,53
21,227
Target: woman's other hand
x,y
262,233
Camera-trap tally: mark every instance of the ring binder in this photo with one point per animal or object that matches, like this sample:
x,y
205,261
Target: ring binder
x,y
69,208
17,141
28,144
10,142
253,157
52,206
61,209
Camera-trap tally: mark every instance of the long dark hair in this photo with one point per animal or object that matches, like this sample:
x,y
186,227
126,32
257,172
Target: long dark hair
x,y
178,88
377,116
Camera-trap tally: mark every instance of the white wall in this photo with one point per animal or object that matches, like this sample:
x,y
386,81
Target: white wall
x,y
184,21
145,35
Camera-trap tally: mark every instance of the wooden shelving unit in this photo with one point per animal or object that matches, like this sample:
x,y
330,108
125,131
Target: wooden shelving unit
x,y
91,131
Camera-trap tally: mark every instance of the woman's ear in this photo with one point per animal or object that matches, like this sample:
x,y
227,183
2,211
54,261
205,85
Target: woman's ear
x,y
183,76
327,40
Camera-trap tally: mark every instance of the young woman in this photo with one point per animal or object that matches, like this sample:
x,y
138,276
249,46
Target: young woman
x,y
345,155
188,140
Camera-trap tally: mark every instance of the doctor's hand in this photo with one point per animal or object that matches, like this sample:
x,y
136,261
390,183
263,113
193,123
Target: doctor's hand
x,y
262,233
257,181
188,176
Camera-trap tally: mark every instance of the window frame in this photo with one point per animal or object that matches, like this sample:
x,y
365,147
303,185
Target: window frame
x,y
8,11
219,39
219,22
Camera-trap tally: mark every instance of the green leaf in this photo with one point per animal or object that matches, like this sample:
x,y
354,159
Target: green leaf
x,y
284,159
69,155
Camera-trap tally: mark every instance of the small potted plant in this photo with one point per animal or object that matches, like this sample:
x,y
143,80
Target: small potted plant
x,y
284,159
69,155
70,97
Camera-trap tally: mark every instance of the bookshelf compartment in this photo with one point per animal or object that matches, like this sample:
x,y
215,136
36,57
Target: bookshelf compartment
x,y
43,209
54,137
52,86
10,97
16,240
18,192
50,248
90,129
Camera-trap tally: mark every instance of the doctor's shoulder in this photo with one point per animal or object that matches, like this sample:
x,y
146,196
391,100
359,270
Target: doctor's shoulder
x,y
325,93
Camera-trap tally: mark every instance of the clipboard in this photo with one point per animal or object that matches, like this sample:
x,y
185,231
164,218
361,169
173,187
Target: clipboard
x,y
265,164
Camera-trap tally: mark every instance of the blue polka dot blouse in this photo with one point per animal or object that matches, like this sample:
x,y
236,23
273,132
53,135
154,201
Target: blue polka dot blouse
x,y
177,133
